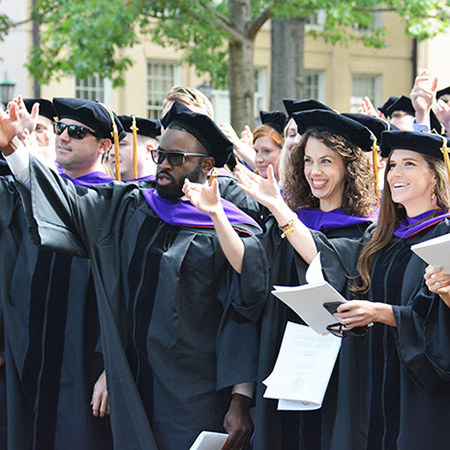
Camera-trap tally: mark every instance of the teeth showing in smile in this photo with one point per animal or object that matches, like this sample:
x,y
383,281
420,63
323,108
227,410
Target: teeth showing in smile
x,y
318,183
399,185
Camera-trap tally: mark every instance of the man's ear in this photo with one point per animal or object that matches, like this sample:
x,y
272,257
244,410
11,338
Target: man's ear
x,y
207,164
149,147
104,145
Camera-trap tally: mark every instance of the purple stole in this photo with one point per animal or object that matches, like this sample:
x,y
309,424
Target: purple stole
x,y
90,179
183,213
318,220
410,226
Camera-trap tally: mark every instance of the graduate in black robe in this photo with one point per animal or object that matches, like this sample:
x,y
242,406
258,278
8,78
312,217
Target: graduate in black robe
x,y
173,342
51,319
345,209
385,391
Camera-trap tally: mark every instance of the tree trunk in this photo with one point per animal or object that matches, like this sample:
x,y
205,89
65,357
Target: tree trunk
x,y
241,81
287,79
36,43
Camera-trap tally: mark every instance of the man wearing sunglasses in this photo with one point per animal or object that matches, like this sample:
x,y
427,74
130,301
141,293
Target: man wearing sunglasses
x,y
178,348
55,345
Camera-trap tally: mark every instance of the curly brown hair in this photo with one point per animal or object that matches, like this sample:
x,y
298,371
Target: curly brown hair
x,y
359,198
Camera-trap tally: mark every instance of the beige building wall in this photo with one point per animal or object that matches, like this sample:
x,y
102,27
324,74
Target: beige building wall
x,y
432,55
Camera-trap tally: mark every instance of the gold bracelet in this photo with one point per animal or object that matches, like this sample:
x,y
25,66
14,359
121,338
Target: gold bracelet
x,y
288,228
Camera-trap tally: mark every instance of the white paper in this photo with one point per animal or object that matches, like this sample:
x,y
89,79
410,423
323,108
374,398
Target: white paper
x,y
435,251
209,440
303,368
307,300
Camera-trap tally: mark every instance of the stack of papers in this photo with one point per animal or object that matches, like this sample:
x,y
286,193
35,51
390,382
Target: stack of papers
x,y
303,368
307,354
208,440
435,251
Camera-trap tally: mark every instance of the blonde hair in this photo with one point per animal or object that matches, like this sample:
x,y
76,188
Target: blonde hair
x,y
190,97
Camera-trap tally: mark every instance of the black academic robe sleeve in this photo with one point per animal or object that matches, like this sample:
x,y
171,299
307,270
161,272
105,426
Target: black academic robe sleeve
x,y
72,219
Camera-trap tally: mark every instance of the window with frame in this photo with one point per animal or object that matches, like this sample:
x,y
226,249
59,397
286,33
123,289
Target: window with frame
x,y
94,88
365,85
314,86
161,77
259,98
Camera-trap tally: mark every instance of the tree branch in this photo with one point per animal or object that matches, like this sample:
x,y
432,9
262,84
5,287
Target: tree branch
x,y
256,24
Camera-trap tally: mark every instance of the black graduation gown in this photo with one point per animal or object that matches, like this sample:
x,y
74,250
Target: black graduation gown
x,y
385,393
172,341
9,242
51,334
282,429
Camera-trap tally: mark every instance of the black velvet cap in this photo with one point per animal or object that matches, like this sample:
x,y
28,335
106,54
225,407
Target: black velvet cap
x,y
145,127
46,107
275,119
425,143
336,123
204,129
293,105
374,124
441,92
403,103
383,108
89,113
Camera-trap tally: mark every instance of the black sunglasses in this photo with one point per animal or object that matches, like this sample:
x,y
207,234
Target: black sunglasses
x,y
74,131
174,158
340,330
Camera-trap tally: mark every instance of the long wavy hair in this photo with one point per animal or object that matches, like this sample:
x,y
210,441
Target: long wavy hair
x,y
391,214
359,197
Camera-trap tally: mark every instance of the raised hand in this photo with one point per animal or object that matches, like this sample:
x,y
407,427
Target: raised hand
x,y
442,111
205,198
366,107
423,94
9,125
27,121
264,190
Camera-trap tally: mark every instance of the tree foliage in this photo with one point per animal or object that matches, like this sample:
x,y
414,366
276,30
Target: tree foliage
x,y
84,37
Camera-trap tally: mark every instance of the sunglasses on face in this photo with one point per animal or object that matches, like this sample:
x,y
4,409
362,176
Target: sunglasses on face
x,y
74,131
174,158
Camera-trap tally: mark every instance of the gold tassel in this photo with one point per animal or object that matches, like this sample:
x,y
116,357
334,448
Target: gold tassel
x,y
444,150
115,136
375,150
213,176
134,129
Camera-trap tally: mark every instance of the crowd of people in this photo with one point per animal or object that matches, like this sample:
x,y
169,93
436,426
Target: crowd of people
x,y
137,259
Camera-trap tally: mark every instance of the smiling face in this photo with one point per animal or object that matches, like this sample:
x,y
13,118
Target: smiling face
x,y
267,152
79,156
411,181
170,179
324,171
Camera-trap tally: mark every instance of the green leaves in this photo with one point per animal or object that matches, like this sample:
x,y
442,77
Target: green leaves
x,y
84,37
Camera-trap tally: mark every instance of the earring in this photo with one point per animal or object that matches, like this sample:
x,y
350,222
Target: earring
x,y
433,196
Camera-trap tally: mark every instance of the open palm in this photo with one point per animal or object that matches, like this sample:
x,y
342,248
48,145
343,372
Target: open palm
x,y
264,190
205,198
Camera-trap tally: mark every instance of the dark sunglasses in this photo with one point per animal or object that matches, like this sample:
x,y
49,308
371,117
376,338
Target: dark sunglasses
x,y
340,330
174,158
74,131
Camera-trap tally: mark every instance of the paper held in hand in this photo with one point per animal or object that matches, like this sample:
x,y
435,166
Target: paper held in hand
x,y
303,368
209,440
308,300
435,252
